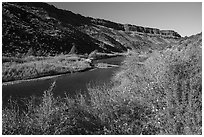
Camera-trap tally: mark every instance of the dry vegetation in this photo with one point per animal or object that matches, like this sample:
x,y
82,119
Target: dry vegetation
x,y
162,95
33,67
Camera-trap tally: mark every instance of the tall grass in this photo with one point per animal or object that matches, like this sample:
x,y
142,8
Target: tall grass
x,y
168,83
34,67
161,95
119,115
75,116
51,116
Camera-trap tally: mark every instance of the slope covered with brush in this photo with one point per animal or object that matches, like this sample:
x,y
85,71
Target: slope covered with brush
x,y
26,26
155,93
46,30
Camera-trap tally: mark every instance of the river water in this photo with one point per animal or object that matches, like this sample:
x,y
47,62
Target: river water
x,y
70,84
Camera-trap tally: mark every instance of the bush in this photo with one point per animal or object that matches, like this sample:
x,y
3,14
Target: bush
x,y
168,84
161,95
50,116
34,67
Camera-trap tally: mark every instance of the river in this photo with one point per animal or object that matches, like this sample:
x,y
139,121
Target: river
x,y
70,84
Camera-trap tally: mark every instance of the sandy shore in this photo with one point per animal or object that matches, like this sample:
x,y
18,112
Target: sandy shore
x,y
26,80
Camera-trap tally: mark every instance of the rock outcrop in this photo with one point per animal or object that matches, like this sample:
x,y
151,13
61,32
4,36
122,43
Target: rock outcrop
x,y
153,31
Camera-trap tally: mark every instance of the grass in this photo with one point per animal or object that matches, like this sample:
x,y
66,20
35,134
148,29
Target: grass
x,y
33,67
51,116
72,116
161,95
28,67
170,85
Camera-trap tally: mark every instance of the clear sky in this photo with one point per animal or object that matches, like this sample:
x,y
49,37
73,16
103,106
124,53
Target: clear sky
x,y
183,17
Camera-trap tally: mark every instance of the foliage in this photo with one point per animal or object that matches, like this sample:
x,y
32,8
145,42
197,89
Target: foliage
x,y
169,83
159,95
33,67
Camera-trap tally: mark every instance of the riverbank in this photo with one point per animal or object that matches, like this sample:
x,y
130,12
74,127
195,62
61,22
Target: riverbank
x,y
15,70
45,77
161,95
35,68
96,66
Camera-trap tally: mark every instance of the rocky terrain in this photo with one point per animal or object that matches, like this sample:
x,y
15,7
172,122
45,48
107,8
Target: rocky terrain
x,y
42,29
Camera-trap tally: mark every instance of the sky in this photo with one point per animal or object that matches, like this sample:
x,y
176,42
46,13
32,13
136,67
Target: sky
x,y
182,17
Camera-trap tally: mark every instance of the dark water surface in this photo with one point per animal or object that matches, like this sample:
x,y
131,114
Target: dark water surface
x,y
70,84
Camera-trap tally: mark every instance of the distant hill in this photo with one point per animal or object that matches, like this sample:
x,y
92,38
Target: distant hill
x,y
47,30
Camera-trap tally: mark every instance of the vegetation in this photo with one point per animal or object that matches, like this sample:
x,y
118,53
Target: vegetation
x,y
161,95
42,29
157,91
27,66
169,84
33,67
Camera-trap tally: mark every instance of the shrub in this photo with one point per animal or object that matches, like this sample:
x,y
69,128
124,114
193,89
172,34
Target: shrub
x,y
169,85
33,67
160,95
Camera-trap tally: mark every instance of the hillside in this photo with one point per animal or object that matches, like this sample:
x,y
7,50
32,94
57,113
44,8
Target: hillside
x,y
160,94
156,90
46,30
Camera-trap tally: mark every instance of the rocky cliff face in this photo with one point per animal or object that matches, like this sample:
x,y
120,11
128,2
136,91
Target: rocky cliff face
x,y
139,29
153,31
48,30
